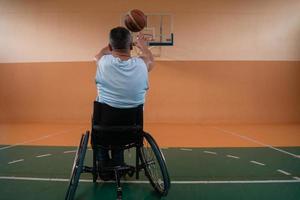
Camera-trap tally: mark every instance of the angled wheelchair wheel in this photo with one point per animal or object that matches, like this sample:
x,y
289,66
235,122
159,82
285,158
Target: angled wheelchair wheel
x,y
154,164
77,166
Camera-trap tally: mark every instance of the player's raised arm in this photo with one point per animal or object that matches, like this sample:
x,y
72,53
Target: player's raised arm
x,y
105,51
146,55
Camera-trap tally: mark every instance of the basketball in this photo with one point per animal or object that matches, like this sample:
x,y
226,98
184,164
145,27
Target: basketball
x,y
135,20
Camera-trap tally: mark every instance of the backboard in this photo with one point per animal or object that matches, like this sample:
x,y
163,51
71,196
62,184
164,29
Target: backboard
x,y
158,31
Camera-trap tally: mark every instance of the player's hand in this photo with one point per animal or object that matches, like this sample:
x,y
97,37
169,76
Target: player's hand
x,y
104,51
141,41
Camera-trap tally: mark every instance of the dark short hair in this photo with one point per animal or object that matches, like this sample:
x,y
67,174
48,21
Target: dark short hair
x,y
120,38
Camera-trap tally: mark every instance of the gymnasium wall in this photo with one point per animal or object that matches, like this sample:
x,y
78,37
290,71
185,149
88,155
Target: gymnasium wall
x,y
180,92
233,61
70,30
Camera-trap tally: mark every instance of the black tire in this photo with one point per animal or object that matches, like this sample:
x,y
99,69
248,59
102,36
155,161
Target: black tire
x,y
154,164
77,166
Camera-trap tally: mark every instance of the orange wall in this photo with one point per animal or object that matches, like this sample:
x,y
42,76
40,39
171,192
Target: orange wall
x,y
180,92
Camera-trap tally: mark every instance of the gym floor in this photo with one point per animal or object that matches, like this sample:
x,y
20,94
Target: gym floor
x,y
240,162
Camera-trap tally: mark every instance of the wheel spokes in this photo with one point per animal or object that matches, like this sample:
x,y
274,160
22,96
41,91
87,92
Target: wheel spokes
x,y
151,163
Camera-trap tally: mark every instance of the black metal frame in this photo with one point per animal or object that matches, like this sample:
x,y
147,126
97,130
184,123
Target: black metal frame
x,y
120,169
169,43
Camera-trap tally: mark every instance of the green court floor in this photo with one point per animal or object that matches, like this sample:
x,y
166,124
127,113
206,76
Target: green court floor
x,y
32,172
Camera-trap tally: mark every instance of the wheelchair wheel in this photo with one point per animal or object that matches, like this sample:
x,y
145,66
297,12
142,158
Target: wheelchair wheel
x,y
77,166
155,165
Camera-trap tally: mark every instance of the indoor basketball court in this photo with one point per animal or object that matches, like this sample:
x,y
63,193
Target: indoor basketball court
x,y
222,105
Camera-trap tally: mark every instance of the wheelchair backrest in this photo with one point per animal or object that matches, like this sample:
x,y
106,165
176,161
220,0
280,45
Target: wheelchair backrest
x,y
116,126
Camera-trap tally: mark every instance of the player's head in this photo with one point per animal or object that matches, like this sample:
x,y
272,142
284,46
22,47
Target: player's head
x,y
120,39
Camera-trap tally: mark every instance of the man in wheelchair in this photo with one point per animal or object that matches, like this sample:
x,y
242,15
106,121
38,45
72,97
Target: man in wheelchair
x,y
117,123
122,82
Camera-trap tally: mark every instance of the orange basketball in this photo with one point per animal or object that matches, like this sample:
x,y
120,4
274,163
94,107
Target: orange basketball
x,y
135,20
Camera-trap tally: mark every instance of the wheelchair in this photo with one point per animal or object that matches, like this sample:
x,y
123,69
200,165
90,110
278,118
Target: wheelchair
x,y
121,129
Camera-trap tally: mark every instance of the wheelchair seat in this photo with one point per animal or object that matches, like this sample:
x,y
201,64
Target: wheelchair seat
x,y
120,129
116,127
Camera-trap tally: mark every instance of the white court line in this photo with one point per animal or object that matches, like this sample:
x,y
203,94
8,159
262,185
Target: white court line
x,y
231,156
284,172
34,140
236,182
73,151
44,155
147,182
257,142
15,161
257,163
210,152
296,177
183,149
